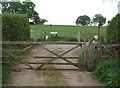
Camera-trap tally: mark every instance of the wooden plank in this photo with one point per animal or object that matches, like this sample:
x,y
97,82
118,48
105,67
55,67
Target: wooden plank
x,y
75,57
69,50
90,55
9,57
44,64
78,37
49,63
23,50
59,56
37,43
27,48
15,57
76,69
85,47
70,62
109,51
112,46
49,50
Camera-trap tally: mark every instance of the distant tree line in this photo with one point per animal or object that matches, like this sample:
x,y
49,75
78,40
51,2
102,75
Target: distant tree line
x,y
85,20
25,7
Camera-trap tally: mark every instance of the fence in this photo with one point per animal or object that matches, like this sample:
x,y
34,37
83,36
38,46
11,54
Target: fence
x,y
92,53
89,57
66,36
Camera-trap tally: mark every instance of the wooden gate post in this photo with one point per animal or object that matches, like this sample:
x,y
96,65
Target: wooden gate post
x,y
85,47
99,51
90,55
78,37
102,42
71,35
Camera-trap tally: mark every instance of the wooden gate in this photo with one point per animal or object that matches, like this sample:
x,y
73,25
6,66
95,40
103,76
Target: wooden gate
x,y
41,44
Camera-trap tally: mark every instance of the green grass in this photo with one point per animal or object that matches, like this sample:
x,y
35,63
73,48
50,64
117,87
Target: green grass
x,y
7,67
107,71
66,31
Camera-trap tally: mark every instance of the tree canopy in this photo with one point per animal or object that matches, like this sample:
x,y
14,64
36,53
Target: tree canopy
x,y
83,20
25,7
98,18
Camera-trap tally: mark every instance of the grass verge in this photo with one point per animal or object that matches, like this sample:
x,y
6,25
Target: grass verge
x,y
7,67
107,71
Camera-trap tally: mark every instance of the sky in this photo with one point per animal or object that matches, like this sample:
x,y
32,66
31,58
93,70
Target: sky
x,y
65,12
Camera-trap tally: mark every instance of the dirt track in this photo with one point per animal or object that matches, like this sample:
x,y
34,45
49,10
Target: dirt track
x,y
24,77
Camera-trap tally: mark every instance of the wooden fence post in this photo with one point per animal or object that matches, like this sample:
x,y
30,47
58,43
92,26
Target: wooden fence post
x,y
99,50
71,35
102,42
90,55
84,55
78,37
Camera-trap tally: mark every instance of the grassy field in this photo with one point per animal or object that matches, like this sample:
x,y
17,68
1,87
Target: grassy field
x,y
65,33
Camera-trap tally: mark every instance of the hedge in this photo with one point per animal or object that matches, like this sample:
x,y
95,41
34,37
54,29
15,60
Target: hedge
x,y
107,71
15,27
113,30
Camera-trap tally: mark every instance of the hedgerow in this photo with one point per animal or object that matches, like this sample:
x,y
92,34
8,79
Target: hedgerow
x,y
15,27
113,30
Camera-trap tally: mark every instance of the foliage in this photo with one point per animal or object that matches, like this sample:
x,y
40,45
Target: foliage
x,y
98,18
107,71
81,62
83,20
43,21
113,30
15,27
25,7
8,67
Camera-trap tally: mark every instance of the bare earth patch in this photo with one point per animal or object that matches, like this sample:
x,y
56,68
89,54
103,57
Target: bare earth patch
x,y
27,77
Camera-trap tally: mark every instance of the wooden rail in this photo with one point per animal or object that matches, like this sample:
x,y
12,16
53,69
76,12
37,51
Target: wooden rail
x,y
37,43
75,57
106,48
41,44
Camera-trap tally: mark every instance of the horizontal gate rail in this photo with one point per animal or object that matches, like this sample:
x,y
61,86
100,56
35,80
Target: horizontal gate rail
x,y
57,69
41,44
4,62
16,58
55,57
37,43
49,63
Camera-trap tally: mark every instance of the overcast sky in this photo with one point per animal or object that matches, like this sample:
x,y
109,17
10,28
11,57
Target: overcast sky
x,y
65,12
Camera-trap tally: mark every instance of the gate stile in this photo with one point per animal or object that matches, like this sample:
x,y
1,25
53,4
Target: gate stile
x,y
79,44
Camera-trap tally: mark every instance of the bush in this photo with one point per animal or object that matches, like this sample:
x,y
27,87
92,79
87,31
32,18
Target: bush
x,y
112,30
107,71
15,27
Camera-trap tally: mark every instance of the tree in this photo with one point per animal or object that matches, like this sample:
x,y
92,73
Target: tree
x,y
43,21
25,7
113,30
15,7
28,7
83,20
98,18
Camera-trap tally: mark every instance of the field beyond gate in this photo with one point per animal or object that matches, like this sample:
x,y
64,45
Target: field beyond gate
x,y
65,32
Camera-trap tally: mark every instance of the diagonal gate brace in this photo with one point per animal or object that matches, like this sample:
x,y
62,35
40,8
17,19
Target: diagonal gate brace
x,y
58,56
